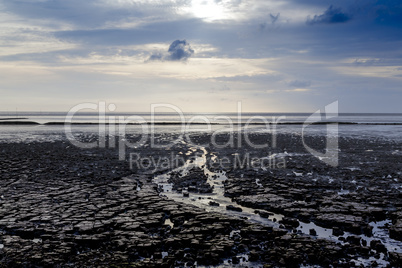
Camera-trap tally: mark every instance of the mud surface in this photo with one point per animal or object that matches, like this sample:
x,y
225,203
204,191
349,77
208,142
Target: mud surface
x,y
61,205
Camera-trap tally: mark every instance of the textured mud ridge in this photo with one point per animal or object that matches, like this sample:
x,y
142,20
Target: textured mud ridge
x,y
65,206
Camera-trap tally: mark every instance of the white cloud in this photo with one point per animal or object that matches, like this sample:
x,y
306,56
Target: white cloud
x,y
298,90
394,72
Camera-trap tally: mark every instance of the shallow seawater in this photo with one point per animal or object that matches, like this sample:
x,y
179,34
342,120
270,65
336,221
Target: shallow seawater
x,y
42,133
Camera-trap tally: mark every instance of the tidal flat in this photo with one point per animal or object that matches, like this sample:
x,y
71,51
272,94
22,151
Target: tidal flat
x,y
212,205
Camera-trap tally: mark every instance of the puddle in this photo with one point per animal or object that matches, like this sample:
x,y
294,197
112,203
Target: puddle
x,y
353,168
169,222
343,192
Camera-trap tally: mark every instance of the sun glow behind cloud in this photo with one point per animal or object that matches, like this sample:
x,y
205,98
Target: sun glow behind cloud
x,y
208,10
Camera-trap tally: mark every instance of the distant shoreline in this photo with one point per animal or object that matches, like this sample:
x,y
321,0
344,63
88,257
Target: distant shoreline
x,y
5,122
14,118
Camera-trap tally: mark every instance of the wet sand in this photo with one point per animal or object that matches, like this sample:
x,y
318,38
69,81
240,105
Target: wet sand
x,y
61,205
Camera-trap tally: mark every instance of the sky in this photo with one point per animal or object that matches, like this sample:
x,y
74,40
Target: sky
x,y
202,56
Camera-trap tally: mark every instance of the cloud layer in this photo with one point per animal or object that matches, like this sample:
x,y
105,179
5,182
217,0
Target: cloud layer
x,y
274,55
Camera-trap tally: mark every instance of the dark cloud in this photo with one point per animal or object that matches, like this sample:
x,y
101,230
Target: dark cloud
x,y
179,50
89,14
300,84
331,15
389,12
152,32
274,18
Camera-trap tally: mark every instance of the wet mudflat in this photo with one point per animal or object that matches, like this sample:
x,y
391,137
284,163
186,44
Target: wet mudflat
x,y
61,205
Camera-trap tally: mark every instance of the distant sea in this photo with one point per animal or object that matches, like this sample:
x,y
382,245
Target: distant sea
x,y
50,124
47,117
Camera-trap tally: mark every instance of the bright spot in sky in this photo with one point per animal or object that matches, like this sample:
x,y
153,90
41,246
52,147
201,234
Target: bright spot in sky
x,y
208,10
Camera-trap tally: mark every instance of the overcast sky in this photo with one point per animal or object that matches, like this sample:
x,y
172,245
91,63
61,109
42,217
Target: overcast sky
x,y
274,56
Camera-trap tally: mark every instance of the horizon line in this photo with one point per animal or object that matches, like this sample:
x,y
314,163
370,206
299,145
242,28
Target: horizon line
x,y
186,112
